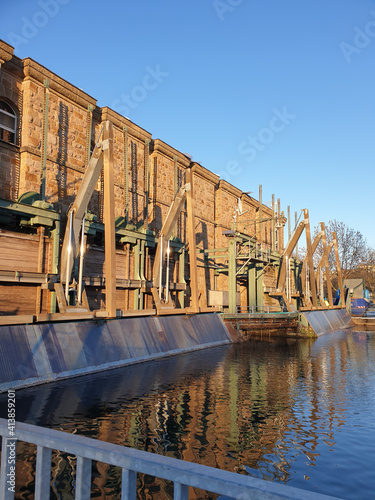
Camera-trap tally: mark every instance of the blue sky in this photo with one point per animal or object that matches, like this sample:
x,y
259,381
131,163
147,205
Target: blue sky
x,y
271,92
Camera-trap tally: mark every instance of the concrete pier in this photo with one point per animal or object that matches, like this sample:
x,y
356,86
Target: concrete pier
x,y
290,324
365,322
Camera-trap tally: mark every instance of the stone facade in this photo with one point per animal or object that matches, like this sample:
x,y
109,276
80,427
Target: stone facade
x,y
147,175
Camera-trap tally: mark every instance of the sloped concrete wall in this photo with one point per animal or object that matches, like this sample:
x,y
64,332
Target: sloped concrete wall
x,y
35,354
328,321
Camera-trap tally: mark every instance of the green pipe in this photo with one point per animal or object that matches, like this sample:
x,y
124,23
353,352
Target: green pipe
x,y
44,141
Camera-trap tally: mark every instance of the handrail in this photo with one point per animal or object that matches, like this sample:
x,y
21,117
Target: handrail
x,y
182,474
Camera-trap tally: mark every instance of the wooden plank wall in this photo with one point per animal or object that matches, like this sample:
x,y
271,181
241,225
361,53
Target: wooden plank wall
x,y
20,252
24,253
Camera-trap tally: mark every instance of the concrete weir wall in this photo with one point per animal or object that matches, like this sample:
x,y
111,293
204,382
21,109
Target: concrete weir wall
x,y
327,321
39,353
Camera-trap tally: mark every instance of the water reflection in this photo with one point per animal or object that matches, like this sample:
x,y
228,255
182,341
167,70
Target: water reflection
x,y
295,411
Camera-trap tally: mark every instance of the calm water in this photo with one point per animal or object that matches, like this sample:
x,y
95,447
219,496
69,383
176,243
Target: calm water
x,y
298,412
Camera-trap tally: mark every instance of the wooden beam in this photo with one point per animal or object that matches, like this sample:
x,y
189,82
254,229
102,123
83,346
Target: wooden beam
x,y
287,253
316,241
338,267
192,243
136,314
61,302
290,307
305,298
232,278
326,265
167,229
309,259
41,231
314,246
21,319
319,291
109,221
70,316
80,203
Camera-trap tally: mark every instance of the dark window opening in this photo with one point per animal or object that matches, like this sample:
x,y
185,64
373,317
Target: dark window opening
x,y
8,123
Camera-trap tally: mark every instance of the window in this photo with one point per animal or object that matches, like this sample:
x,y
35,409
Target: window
x,y
8,123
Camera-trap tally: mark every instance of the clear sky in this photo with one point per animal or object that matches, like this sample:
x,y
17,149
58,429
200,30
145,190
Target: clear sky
x,y
272,92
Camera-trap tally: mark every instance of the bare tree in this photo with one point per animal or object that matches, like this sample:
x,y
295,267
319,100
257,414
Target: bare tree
x,y
352,246
357,259
366,270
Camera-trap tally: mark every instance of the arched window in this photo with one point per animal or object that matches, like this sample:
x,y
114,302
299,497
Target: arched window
x,y
8,123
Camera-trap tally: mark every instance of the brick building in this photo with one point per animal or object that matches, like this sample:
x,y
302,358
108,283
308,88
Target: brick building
x,y
48,129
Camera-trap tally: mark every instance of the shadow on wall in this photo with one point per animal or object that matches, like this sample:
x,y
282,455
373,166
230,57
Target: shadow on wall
x,y
202,237
62,135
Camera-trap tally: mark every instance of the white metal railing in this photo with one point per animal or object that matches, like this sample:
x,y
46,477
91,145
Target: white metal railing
x,y
182,474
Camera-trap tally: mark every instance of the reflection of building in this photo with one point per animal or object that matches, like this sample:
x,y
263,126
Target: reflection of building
x,y
251,408
48,128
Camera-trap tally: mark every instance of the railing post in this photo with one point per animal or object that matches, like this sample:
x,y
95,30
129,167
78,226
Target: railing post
x,y
181,491
8,468
129,484
83,479
43,473
130,461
